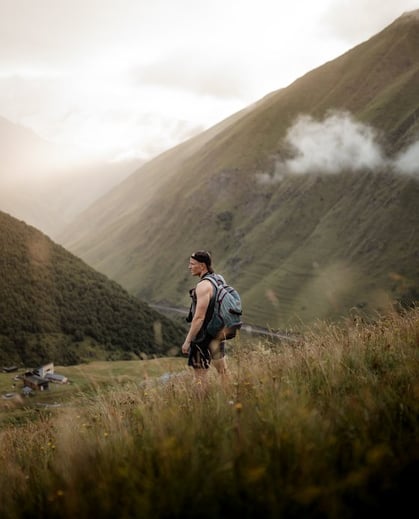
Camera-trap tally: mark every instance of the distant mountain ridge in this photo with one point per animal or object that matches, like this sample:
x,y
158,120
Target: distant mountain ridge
x,y
298,246
55,308
44,184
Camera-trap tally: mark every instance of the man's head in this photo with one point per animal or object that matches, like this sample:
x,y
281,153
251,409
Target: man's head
x,y
200,263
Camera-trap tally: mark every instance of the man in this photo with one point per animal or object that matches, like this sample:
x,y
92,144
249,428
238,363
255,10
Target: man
x,y
202,349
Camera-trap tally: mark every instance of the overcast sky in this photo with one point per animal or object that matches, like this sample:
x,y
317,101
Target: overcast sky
x,y
130,78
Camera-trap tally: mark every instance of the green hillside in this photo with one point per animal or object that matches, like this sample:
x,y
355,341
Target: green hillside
x,y
298,247
53,307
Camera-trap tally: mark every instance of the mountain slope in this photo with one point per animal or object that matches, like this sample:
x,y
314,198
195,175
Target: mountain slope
x,y
298,247
53,307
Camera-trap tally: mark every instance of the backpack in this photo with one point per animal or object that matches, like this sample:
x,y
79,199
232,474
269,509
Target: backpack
x,y
224,311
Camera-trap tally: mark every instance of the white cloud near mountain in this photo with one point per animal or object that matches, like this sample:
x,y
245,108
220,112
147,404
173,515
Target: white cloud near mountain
x,y
340,143
408,160
334,144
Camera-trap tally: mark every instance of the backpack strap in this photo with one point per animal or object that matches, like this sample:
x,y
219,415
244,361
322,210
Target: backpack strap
x,y
211,277
192,306
210,310
215,279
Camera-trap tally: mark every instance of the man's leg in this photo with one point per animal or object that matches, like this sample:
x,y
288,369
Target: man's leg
x,y
217,349
199,360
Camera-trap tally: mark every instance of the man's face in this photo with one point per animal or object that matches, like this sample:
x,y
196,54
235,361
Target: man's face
x,y
195,267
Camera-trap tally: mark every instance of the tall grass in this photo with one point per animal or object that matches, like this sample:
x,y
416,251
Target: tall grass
x,y
324,428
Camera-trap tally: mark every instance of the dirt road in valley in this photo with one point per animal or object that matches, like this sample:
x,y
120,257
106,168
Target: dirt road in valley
x,y
248,328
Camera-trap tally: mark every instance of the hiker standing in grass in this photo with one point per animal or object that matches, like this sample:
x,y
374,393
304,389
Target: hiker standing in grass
x,y
201,348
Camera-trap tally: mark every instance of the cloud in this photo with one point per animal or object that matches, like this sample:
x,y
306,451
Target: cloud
x,y
195,71
337,143
408,160
66,66
46,31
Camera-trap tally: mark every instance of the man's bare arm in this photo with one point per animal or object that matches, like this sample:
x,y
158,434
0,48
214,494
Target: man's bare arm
x,y
203,296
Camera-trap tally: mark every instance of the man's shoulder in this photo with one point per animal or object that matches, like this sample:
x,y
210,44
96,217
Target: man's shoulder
x,y
204,282
207,282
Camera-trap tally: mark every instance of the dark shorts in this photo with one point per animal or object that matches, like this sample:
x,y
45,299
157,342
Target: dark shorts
x,y
201,353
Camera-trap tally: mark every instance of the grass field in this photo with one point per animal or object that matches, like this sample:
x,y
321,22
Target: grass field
x,y
327,427
82,379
